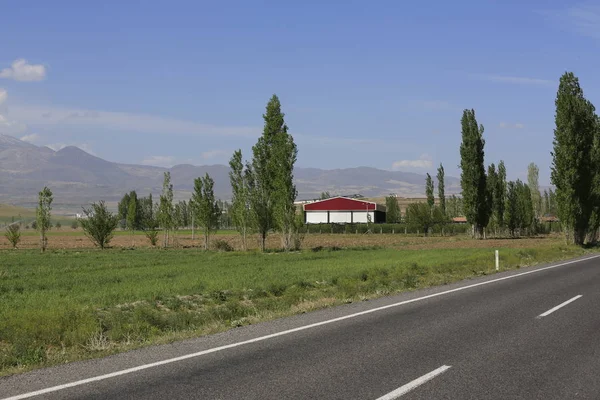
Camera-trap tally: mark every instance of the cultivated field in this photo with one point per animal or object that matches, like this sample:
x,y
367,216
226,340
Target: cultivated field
x,y
77,302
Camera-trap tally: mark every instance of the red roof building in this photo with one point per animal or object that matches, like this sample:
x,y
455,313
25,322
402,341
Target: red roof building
x,y
343,210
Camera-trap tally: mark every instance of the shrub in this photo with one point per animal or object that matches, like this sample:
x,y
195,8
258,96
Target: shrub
x,y
152,235
58,225
74,224
13,234
222,245
99,224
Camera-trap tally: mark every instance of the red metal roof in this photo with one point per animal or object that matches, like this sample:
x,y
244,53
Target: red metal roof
x,y
340,204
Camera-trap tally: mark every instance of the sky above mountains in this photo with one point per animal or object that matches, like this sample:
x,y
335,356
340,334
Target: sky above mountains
x,y
379,84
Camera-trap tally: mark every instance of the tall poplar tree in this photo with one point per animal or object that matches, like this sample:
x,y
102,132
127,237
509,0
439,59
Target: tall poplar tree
x,y
441,188
392,215
286,153
429,191
472,178
573,168
533,174
206,209
131,217
500,194
272,192
165,208
42,215
240,204
492,198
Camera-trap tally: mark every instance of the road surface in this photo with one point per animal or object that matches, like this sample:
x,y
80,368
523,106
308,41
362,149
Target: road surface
x,y
528,334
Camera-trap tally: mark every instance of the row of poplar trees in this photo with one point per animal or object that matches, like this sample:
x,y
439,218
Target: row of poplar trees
x,y
263,194
263,188
489,201
575,174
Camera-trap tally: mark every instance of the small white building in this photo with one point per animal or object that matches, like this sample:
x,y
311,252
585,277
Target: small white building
x,y
343,210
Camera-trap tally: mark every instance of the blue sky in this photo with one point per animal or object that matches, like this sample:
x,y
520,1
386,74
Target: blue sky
x,y
379,83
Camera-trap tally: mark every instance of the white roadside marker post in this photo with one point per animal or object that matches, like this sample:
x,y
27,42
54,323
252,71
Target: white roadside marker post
x,y
497,261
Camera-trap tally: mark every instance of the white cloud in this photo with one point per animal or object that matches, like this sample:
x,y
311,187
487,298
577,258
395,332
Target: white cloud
x,y
424,161
506,125
208,155
121,121
10,127
31,138
3,95
159,161
20,70
583,19
516,80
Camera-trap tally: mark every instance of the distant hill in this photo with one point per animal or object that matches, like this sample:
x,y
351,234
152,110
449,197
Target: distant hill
x,y
78,178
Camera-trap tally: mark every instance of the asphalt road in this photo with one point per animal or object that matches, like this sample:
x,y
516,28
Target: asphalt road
x,y
485,338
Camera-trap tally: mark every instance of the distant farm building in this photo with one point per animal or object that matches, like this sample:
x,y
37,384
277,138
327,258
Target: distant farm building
x,y
459,220
343,210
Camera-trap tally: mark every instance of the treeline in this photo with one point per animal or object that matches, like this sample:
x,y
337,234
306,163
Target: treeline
x,y
512,207
489,201
263,195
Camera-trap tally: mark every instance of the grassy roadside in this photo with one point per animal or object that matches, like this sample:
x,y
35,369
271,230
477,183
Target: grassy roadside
x,y
70,305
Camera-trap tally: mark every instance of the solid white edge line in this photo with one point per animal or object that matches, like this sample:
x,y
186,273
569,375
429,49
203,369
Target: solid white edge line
x,y
401,391
277,334
561,305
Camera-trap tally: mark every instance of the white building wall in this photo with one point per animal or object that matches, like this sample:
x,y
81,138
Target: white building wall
x,y
316,217
340,217
360,217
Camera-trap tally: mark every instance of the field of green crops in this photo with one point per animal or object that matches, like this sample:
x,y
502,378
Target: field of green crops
x,y
71,304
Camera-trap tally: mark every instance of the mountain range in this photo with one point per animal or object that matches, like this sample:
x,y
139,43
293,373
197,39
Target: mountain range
x,y
78,178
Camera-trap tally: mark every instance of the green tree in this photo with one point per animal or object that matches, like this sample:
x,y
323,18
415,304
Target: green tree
x,y
473,179
429,191
526,208
533,173
392,215
500,194
492,187
165,208
240,203
285,155
42,213
420,215
594,221
206,210
454,207
511,209
99,224
131,217
13,234
324,196
441,188
269,177
553,207
185,215
122,208
148,219
573,168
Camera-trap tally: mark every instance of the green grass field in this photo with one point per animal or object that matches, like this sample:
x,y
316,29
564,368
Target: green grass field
x,y
67,305
10,213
